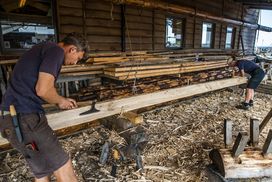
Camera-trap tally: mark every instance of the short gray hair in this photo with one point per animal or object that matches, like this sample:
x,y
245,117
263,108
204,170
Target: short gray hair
x,y
77,40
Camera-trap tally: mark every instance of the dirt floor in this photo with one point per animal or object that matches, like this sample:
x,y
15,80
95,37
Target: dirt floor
x,y
180,139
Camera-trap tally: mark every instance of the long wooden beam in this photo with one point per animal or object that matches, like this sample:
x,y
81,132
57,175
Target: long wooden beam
x,y
158,4
72,118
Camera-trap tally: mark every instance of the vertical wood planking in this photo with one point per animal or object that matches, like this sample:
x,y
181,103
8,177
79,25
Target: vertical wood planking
x,y
146,27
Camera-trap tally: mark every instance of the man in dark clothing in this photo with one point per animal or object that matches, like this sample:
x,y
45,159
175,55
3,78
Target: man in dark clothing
x,y
33,82
256,76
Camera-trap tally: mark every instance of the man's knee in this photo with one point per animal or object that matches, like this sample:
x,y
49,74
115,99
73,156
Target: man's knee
x,y
66,173
44,179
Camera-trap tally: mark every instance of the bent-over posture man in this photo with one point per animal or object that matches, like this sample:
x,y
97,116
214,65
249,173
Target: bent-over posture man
x,y
256,76
31,84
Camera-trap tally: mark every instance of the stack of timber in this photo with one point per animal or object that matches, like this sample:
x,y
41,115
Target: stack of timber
x,y
166,56
126,72
120,89
265,88
81,69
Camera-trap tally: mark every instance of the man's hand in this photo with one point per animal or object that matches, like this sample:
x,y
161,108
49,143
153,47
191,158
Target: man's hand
x,y
67,103
242,73
46,90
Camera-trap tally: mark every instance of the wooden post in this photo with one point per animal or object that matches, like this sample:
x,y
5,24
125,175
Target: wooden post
x,y
267,148
240,144
123,27
227,132
266,120
254,132
66,85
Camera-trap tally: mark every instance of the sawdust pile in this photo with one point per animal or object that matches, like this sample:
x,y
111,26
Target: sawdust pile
x,y
180,139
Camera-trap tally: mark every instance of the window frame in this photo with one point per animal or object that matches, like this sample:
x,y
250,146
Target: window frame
x,y
183,22
232,37
212,35
43,20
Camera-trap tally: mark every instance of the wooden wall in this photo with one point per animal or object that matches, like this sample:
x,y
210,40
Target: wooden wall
x,y
139,23
102,24
250,15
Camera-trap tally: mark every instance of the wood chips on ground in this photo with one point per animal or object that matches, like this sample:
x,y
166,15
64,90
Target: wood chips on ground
x,y
180,139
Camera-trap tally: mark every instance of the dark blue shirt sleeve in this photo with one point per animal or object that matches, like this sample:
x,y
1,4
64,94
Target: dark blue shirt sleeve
x,y
52,60
241,65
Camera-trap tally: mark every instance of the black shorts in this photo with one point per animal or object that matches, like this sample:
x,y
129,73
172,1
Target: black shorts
x,y
256,78
40,145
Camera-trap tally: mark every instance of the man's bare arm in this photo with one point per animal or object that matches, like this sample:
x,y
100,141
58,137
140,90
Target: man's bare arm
x,y
242,73
45,89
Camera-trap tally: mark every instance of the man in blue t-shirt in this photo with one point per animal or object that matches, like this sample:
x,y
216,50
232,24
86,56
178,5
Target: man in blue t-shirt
x,y
33,83
256,76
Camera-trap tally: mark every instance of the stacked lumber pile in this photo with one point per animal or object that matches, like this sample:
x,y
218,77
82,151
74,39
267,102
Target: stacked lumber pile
x,y
124,72
166,56
115,90
155,70
111,58
82,69
265,88
143,64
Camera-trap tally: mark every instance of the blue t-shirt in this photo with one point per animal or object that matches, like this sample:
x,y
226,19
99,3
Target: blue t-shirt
x,y
45,57
247,66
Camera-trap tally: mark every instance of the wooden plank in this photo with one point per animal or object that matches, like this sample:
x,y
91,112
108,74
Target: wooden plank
x,y
266,120
267,148
71,117
148,73
102,6
227,132
166,70
119,69
70,11
70,3
83,73
254,132
105,31
240,144
103,22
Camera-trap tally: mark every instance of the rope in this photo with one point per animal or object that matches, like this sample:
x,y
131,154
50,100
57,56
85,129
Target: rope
x,y
111,12
258,31
134,87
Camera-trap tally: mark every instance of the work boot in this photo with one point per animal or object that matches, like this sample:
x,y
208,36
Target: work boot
x,y
251,103
244,106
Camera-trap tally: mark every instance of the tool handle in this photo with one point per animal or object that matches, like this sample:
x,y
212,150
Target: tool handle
x,y
12,110
19,134
15,123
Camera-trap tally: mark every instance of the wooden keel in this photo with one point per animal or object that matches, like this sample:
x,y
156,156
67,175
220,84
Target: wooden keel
x,y
70,118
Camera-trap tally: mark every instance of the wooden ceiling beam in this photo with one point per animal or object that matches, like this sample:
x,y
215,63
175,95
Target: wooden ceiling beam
x,y
170,7
8,6
26,18
38,5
